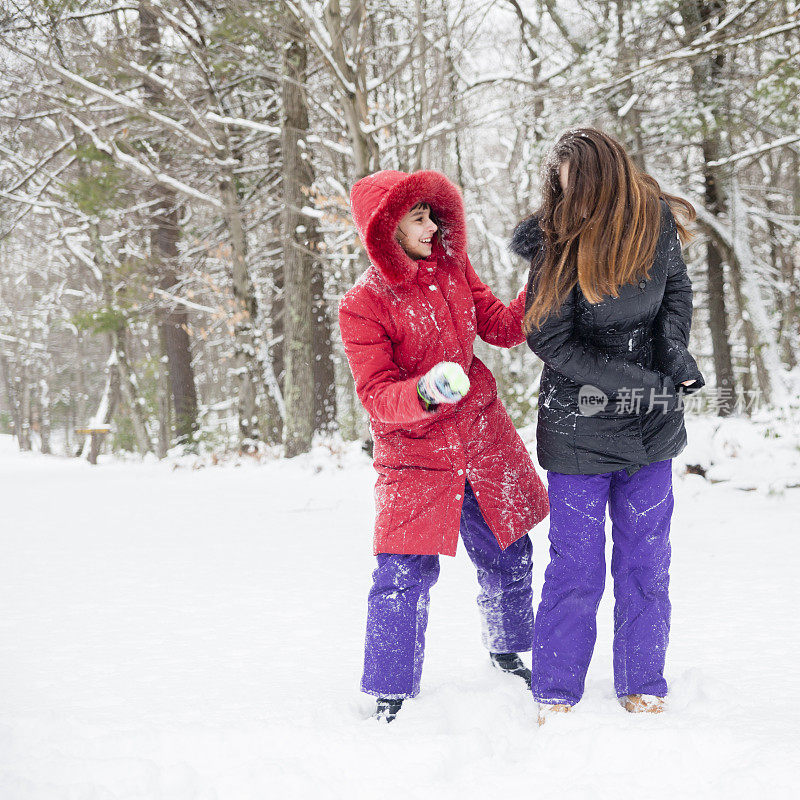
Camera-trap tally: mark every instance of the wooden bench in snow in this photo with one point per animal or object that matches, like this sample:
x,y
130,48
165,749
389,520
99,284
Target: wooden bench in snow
x,y
97,433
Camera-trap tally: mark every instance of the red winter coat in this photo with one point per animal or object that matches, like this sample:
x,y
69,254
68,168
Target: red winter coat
x,y
400,319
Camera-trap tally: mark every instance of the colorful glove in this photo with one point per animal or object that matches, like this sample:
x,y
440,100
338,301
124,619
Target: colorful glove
x,y
445,383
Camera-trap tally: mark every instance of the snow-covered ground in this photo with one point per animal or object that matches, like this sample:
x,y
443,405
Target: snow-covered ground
x,y
177,633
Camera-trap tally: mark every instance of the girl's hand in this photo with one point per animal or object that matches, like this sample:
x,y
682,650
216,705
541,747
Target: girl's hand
x,y
445,383
688,383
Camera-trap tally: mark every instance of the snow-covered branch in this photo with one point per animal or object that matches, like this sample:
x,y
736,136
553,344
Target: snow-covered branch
x,y
172,89
119,99
241,122
148,171
756,151
4,337
183,301
689,52
319,37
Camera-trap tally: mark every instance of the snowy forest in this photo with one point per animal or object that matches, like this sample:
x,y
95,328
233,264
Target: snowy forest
x,y
174,222
190,507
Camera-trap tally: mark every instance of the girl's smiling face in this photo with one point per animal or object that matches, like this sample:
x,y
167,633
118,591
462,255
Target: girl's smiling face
x,y
415,232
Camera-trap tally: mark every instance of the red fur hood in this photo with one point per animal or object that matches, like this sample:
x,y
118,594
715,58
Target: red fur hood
x,y
380,201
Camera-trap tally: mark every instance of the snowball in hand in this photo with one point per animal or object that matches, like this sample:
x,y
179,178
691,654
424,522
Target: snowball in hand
x,y
445,383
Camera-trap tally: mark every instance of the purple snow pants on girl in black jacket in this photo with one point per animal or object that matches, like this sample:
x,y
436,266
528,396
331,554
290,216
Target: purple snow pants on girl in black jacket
x,y
640,507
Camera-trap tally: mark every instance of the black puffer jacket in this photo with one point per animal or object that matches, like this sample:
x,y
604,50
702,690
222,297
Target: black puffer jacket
x,y
608,397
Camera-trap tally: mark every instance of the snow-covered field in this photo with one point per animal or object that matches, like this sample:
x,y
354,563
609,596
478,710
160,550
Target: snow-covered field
x,y
177,633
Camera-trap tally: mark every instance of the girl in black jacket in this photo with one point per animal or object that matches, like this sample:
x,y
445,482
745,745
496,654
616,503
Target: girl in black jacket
x,y
609,309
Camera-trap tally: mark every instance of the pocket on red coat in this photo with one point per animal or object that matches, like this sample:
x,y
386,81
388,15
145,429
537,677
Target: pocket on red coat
x,y
426,450
386,493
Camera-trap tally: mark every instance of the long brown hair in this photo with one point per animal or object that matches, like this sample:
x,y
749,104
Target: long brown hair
x,y
602,232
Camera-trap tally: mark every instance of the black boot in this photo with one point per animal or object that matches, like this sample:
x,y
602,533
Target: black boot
x,y
512,664
387,708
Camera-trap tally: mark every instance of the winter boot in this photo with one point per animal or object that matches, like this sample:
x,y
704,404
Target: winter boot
x,y
512,664
548,709
387,708
642,703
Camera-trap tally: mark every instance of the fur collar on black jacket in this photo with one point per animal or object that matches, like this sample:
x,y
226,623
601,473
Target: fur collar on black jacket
x,y
527,238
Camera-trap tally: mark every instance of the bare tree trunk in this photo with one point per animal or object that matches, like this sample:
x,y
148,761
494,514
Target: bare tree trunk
x,y
718,318
298,261
748,361
784,259
173,318
452,89
301,237
786,300
129,386
24,436
754,310
322,350
630,122
44,415
69,424
352,416
733,244
246,366
247,370
271,352
275,362
419,85
275,409
354,100
795,258
105,408
706,78
81,390
12,397
163,395
781,264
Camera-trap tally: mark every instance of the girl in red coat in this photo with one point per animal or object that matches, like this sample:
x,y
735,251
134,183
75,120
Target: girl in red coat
x,y
448,458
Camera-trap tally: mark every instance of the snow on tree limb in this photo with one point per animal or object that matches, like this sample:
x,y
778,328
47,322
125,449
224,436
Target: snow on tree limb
x,y
175,22
320,39
243,123
402,62
4,337
119,99
83,257
143,169
725,23
756,151
83,15
733,239
684,53
35,202
754,299
183,301
172,89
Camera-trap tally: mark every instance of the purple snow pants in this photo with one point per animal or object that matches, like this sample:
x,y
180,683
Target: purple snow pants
x,y
640,507
397,608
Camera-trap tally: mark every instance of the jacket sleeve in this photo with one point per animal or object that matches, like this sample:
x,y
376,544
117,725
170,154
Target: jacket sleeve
x,y
385,395
674,319
498,324
557,345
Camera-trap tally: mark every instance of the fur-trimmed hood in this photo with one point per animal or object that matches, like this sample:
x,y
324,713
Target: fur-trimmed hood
x,y
527,238
380,201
